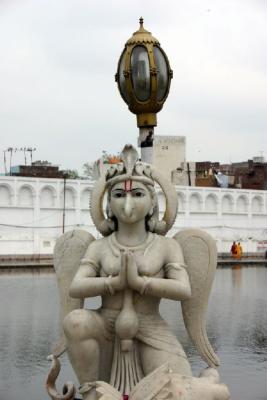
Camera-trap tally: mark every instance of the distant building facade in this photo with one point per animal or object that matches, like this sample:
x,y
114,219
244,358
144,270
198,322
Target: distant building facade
x,y
204,173
169,157
31,213
185,175
168,153
42,169
251,174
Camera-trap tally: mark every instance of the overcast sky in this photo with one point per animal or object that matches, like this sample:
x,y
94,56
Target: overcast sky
x,y
58,60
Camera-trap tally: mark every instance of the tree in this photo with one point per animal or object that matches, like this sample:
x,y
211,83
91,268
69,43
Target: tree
x,y
88,169
71,173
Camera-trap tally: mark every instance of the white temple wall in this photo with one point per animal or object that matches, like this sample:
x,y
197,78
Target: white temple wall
x,y
31,213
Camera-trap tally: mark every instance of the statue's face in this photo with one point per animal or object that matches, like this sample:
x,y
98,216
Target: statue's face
x,y
130,201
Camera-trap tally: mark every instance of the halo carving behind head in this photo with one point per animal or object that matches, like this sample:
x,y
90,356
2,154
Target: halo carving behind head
x,y
137,171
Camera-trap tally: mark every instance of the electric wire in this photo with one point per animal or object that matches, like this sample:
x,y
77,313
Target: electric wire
x,y
42,227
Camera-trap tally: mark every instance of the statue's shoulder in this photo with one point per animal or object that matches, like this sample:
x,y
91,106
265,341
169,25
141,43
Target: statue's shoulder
x,y
97,245
170,249
100,242
168,243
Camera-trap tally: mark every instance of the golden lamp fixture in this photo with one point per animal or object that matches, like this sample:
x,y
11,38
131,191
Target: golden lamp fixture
x,y
144,76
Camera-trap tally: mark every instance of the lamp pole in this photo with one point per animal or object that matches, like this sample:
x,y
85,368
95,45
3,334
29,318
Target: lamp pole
x,y
64,202
145,142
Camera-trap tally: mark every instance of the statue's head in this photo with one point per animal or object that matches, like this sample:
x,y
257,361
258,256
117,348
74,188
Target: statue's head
x,y
131,196
130,201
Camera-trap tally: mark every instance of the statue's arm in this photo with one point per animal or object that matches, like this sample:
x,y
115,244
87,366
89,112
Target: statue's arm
x,y
175,285
87,282
175,288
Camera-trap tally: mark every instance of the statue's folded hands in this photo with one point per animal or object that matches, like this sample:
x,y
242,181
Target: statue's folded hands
x,y
176,287
87,284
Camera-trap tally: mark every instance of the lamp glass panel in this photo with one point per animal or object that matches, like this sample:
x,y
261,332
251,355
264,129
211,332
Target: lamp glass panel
x,y
162,73
122,84
140,73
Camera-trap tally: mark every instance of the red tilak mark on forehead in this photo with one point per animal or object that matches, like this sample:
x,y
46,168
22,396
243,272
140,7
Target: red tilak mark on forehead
x,y
128,185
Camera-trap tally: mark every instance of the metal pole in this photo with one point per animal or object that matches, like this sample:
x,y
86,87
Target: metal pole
x,y
145,141
189,176
5,162
64,203
10,160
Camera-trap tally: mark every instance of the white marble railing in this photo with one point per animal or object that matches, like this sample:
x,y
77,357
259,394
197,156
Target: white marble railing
x,y
31,213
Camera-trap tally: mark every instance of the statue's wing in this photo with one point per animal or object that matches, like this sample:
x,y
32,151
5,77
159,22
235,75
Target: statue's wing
x,y
200,255
69,250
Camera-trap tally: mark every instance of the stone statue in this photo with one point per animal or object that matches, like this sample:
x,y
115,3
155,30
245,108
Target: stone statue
x,y
125,348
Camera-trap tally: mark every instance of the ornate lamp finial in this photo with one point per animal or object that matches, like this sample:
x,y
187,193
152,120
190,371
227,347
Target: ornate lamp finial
x,y
141,22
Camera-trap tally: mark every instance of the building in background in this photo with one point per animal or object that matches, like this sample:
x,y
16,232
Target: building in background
x,y
169,157
169,154
42,169
37,205
185,175
251,174
32,211
205,173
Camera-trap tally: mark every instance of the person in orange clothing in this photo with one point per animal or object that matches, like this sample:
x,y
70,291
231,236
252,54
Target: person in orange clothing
x,y
234,250
239,250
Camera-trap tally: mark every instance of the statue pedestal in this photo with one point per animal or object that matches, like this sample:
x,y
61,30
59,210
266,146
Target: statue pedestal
x,y
161,384
164,384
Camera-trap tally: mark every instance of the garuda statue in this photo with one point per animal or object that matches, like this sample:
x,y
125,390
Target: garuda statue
x,y
125,349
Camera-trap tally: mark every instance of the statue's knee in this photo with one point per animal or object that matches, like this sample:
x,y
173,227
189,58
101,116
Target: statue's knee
x,y
79,324
74,322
